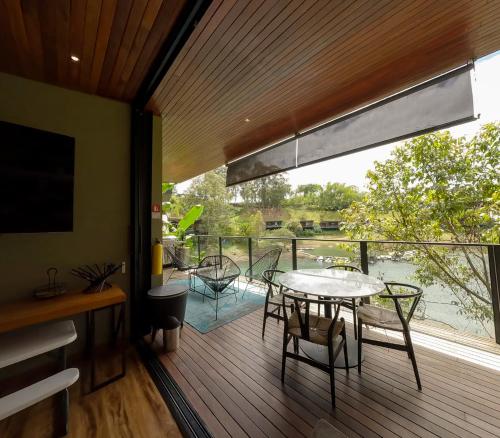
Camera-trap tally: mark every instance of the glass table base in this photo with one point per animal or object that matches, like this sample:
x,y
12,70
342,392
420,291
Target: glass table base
x,y
319,353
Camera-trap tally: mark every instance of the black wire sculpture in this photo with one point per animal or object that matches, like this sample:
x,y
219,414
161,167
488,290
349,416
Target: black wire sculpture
x,y
96,275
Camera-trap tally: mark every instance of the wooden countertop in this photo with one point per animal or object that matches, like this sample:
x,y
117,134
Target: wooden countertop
x,y
29,311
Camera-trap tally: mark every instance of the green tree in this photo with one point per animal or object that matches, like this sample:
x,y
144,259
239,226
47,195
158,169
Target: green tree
x,y
210,191
307,195
439,188
251,225
266,192
337,196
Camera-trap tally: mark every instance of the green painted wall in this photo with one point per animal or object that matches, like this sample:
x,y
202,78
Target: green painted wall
x,y
101,128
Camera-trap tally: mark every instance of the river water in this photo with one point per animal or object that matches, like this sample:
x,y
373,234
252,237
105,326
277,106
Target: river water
x,y
438,304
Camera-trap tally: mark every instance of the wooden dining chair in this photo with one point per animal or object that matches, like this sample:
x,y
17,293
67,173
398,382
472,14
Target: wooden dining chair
x,y
301,324
274,297
395,320
349,304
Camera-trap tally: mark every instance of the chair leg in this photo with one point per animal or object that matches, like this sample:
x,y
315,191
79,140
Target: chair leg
x,y
413,359
346,356
153,335
354,318
279,314
407,348
283,358
245,291
331,363
265,319
360,343
62,421
216,305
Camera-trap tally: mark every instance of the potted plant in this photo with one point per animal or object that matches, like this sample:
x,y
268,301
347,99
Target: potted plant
x,y
181,241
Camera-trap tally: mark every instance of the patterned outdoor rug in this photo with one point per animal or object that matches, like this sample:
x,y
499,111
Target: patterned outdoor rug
x,y
201,315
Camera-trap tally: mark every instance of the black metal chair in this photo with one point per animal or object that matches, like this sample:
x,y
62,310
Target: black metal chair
x,y
301,324
267,262
394,320
349,304
179,264
217,273
274,297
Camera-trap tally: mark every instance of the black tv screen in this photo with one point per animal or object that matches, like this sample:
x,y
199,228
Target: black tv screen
x,y
36,180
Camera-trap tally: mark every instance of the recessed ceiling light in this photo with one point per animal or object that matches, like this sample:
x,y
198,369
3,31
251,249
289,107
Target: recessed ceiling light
x,y
75,58
247,120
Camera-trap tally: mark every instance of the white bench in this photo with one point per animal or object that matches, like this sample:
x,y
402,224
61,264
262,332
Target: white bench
x,y
32,341
26,397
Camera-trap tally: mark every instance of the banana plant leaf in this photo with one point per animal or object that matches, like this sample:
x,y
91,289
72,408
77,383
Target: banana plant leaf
x,y
189,219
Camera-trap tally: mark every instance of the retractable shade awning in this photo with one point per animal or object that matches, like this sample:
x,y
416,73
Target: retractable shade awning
x,y
439,103
255,72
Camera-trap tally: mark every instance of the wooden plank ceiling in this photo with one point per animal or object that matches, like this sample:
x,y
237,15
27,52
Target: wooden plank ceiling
x,y
286,65
115,40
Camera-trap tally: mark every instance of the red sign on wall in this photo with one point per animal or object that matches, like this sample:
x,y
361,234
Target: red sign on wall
x,y
156,208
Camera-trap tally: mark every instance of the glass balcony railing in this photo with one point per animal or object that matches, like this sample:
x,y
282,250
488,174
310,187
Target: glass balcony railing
x,y
460,281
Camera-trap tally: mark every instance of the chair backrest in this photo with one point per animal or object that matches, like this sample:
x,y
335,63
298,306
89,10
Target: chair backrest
x,y
345,268
176,260
398,292
301,309
223,266
268,277
268,261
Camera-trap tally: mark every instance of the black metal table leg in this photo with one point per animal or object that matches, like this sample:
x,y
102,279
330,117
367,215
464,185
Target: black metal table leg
x,y
120,326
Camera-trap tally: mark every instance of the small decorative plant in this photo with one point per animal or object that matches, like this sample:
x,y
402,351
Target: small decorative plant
x,y
182,240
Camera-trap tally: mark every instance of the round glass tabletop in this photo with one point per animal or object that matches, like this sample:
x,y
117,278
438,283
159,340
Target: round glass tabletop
x,y
332,283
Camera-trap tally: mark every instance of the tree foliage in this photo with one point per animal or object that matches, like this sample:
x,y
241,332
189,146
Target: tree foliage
x,y
337,196
266,192
439,188
210,191
332,197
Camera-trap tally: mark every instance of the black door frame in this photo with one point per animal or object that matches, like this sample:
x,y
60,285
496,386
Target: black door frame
x,y
141,162
140,207
186,417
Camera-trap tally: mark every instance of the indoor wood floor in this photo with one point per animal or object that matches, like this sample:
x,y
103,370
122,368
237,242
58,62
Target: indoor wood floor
x,y
130,407
232,378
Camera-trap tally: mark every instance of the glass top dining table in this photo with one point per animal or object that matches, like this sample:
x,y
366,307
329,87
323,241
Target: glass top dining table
x,y
332,283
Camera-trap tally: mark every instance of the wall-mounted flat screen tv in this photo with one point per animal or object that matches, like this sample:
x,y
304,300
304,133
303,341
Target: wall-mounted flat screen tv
x,y
36,180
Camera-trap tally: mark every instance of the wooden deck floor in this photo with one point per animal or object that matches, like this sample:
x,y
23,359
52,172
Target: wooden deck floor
x,y
232,378
131,407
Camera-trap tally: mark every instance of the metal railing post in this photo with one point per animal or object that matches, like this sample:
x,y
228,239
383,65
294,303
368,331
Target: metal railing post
x,y
363,251
294,254
199,249
250,256
220,249
494,265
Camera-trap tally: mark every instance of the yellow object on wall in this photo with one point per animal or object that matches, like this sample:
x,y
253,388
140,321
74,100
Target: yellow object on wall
x,y
157,262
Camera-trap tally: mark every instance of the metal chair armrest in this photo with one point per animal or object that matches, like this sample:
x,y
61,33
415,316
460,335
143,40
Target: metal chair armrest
x,y
401,296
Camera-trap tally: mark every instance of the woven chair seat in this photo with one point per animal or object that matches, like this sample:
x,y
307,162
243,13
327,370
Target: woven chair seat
x,y
318,329
278,300
380,317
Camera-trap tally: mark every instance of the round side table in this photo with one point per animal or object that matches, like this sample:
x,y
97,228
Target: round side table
x,y
166,310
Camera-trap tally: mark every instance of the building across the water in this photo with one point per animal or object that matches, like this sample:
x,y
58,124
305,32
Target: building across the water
x,y
274,225
330,225
307,224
